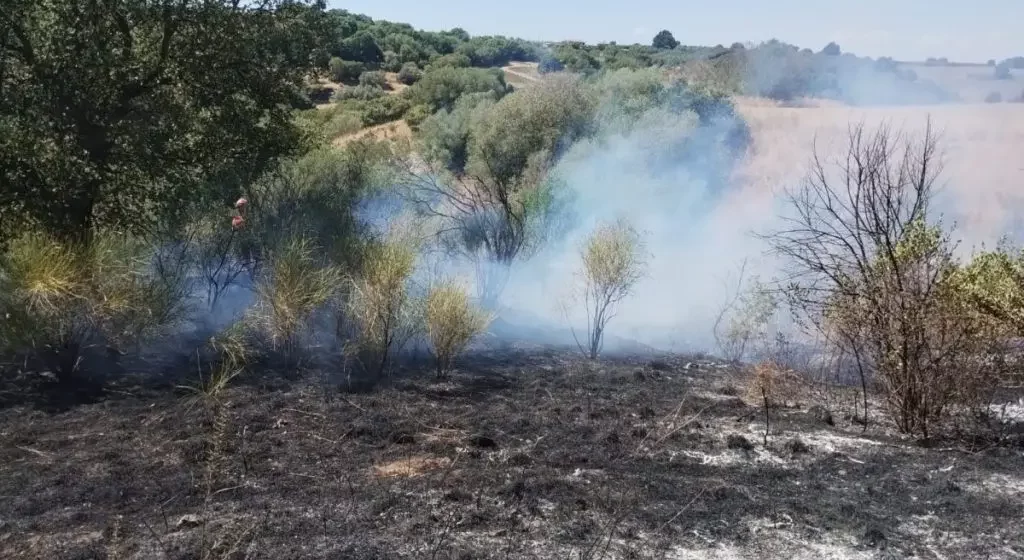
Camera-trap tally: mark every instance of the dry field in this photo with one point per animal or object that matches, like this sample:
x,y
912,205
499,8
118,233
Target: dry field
x,y
973,83
983,147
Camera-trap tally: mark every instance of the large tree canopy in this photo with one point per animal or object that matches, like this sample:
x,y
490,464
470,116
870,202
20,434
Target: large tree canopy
x,y
115,112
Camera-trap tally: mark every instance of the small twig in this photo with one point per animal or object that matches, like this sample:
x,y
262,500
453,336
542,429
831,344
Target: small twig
x,y
36,451
313,414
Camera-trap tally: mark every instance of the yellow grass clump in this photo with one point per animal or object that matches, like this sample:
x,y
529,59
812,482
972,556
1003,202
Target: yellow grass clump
x,y
452,321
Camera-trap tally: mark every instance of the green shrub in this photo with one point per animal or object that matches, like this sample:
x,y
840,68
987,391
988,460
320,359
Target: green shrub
x,y
341,123
441,88
374,79
392,62
409,74
453,60
58,298
384,109
416,115
612,263
451,321
361,93
299,280
346,71
379,306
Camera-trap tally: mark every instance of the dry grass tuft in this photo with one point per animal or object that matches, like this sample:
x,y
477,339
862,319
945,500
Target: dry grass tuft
x,y
379,306
298,284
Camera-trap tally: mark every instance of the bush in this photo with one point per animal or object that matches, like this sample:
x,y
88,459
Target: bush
x,y
886,292
994,97
612,263
453,60
416,115
392,62
298,282
440,88
409,74
342,122
359,93
378,306
384,109
444,135
375,79
346,71
452,321
58,299
545,117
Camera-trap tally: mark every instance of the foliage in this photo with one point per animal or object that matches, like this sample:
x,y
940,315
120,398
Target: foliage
x,y
374,79
416,115
745,327
346,71
664,40
360,93
444,136
379,306
59,298
612,263
993,284
194,94
547,118
451,321
441,88
409,74
831,49
878,280
384,109
298,282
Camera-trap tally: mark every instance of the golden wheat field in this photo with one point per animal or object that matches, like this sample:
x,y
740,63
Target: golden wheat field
x,y
982,147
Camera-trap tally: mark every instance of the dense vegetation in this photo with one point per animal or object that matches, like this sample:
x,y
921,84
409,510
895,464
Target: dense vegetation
x,y
182,176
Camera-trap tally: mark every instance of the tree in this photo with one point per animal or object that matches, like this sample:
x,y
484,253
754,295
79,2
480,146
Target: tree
x,y
664,40
362,47
612,263
1002,71
119,114
832,49
346,71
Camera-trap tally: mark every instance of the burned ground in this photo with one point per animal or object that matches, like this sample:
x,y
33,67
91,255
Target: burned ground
x,y
519,455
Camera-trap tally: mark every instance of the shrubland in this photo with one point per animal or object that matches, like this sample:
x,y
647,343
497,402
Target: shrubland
x,y
176,190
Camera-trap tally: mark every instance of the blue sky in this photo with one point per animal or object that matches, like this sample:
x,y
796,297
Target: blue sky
x,y
905,29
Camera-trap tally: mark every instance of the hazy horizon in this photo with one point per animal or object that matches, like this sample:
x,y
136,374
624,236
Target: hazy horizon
x,y
911,30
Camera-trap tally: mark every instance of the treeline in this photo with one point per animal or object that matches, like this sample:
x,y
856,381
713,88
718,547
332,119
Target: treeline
x,y
383,45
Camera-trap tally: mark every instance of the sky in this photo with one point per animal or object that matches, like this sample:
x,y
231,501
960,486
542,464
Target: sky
x,y
959,30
